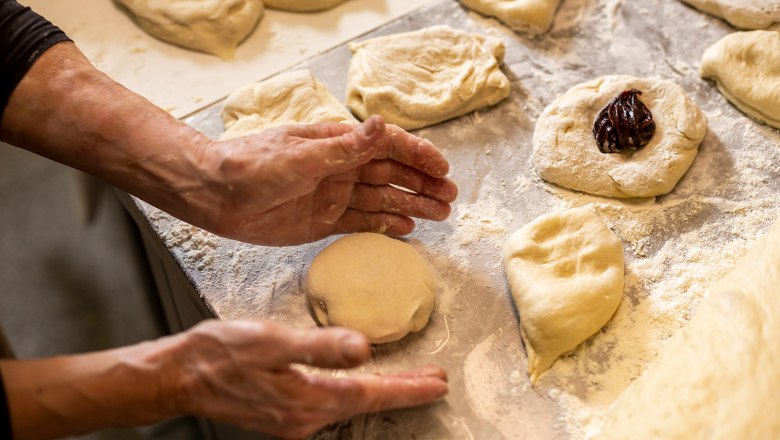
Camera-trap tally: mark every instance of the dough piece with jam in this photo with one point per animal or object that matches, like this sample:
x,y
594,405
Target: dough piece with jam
x,y
289,98
211,26
566,152
746,68
371,283
744,14
529,16
565,273
303,5
421,78
716,378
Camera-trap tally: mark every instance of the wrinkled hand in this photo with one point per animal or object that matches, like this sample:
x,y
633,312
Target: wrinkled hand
x,y
296,184
240,372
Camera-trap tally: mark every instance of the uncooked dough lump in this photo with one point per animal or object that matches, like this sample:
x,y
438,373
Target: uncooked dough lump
x,y
745,14
211,26
565,273
565,151
530,16
718,378
746,68
373,284
302,5
289,98
424,77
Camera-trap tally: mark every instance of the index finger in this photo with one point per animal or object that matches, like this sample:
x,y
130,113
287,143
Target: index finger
x,y
417,152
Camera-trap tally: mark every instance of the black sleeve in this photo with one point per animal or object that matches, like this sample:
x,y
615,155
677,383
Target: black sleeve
x,y
24,36
5,414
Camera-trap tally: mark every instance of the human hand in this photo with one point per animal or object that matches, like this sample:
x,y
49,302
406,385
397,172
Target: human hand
x,y
241,372
296,184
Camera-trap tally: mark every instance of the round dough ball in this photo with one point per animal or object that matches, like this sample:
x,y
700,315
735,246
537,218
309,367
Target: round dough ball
x,y
371,283
745,14
746,68
211,26
421,78
289,98
566,153
565,273
531,16
302,5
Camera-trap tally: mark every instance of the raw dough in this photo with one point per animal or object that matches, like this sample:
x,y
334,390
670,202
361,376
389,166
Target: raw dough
x,y
565,151
371,283
425,77
746,68
302,5
718,377
531,16
745,14
290,98
565,273
212,26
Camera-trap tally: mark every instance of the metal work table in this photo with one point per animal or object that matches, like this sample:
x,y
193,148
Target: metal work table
x,y
474,330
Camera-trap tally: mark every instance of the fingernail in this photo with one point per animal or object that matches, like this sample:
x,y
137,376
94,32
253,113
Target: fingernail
x,y
442,391
370,126
354,348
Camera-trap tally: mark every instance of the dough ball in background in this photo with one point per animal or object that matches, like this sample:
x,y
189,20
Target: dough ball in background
x,y
565,272
746,68
371,283
565,151
529,16
421,78
717,378
211,26
288,98
302,5
745,14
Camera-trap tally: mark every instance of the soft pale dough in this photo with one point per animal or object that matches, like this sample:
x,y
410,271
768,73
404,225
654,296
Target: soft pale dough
x,y
719,377
212,26
565,273
302,5
746,68
371,283
289,98
745,14
425,77
531,16
566,153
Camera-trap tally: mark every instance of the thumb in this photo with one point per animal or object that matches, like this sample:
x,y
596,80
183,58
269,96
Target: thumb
x,y
327,348
342,151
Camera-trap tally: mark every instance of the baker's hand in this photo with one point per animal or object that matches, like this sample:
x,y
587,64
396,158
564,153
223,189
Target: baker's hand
x,y
296,184
241,372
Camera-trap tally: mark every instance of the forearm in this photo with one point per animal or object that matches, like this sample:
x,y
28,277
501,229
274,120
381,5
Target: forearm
x,y
56,397
67,110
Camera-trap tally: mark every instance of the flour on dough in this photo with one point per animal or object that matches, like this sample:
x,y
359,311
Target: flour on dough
x,y
565,273
530,16
421,78
746,68
302,5
565,151
745,14
286,99
211,26
718,377
373,284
